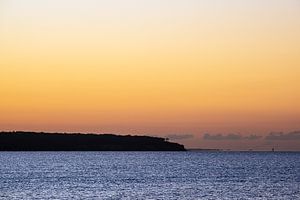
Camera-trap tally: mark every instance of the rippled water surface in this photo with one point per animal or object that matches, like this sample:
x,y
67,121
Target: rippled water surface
x,y
149,175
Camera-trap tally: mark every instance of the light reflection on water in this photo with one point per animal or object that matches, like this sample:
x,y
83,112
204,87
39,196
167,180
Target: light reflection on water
x,y
149,175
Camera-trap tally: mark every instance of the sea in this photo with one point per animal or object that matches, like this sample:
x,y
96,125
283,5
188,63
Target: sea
x,y
150,175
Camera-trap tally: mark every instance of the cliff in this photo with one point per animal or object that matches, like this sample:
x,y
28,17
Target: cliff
x,y
33,141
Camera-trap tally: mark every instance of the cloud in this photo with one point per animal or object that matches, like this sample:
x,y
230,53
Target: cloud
x,y
295,135
179,136
253,137
230,136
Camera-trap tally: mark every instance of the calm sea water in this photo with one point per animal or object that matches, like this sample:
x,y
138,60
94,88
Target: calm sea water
x,y
149,175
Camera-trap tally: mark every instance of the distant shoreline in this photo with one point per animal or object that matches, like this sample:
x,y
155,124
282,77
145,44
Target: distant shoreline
x,y
198,149
246,151
41,141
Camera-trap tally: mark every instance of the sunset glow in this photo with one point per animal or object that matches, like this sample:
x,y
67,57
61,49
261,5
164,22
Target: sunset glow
x,y
152,68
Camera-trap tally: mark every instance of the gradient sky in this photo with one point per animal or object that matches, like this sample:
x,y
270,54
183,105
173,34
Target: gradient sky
x,y
178,68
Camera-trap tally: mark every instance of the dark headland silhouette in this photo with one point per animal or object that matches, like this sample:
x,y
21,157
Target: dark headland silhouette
x,y
40,141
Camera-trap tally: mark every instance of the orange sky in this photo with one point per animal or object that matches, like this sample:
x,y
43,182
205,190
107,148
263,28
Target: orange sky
x,y
152,67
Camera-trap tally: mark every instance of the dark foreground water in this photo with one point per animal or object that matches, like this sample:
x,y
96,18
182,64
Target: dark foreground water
x,y
149,175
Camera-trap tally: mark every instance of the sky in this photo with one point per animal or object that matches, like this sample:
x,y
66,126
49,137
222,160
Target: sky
x,y
207,74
